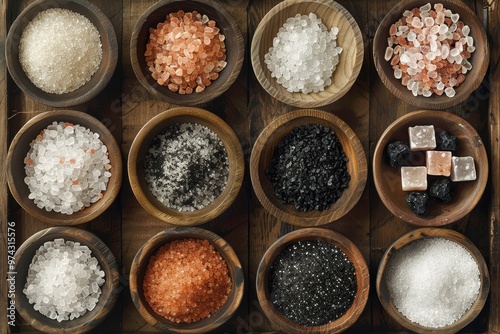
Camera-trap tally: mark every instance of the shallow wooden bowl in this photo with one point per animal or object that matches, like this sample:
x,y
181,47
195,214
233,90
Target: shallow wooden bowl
x,y
235,49
139,149
479,60
20,147
349,39
139,266
423,233
387,179
96,83
262,154
110,288
352,252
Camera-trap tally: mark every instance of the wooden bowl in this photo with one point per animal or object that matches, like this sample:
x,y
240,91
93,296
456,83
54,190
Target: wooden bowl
x,y
387,179
349,39
423,233
20,147
235,49
140,263
479,60
262,154
139,149
352,252
110,288
96,83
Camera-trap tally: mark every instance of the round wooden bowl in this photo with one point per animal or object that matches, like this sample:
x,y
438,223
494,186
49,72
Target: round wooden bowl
x,y
479,60
140,263
235,49
349,39
96,83
466,195
352,252
20,147
110,288
423,233
262,154
140,147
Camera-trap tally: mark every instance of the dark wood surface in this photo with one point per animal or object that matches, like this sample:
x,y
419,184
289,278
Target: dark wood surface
x,y
368,108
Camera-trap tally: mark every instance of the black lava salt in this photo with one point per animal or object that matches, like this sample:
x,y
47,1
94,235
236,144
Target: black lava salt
x,y
418,201
309,168
445,141
312,282
399,154
441,190
186,166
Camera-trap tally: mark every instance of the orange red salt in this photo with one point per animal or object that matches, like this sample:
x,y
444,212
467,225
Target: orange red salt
x,y
186,280
186,52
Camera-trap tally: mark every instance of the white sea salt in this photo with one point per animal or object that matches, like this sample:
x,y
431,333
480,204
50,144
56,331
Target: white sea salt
x,y
304,54
67,168
60,50
433,281
64,280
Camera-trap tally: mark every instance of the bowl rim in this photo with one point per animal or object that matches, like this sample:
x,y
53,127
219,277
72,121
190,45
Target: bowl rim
x,y
214,209
326,216
332,237
33,92
294,98
151,246
378,157
406,95
205,96
114,183
426,233
95,244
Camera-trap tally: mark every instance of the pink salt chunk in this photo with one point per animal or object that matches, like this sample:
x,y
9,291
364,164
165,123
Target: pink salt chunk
x,y
422,137
414,178
463,169
438,163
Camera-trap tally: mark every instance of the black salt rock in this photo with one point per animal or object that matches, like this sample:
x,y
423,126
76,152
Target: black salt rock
x,y
418,202
445,141
399,154
441,190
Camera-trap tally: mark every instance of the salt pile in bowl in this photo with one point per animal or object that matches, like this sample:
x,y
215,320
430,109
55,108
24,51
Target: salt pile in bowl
x,y
64,280
304,55
67,168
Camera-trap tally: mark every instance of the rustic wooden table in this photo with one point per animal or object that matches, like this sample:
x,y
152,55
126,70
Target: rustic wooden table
x,y
368,108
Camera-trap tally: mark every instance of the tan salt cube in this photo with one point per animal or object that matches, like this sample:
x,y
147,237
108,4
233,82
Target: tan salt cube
x,y
422,137
438,163
414,178
463,169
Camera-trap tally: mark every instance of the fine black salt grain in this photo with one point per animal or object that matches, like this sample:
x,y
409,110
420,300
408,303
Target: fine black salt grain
x,y
309,168
312,282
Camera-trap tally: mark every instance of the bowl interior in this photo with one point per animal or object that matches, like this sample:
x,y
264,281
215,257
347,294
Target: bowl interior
x,y
262,155
422,233
100,251
349,38
140,264
158,13
96,83
20,147
143,141
352,252
465,195
479,59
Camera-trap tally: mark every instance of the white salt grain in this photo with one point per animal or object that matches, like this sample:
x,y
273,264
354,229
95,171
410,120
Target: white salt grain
x,y
304,54
433,281
60,50
64,280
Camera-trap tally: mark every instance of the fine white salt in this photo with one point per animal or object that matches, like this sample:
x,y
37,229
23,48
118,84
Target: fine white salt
x,y
433,281
60,50
304,54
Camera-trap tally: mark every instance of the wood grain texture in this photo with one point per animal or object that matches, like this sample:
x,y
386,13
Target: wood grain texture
x,y
349,38
96,83
480,57
387,179
424,233
88,321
